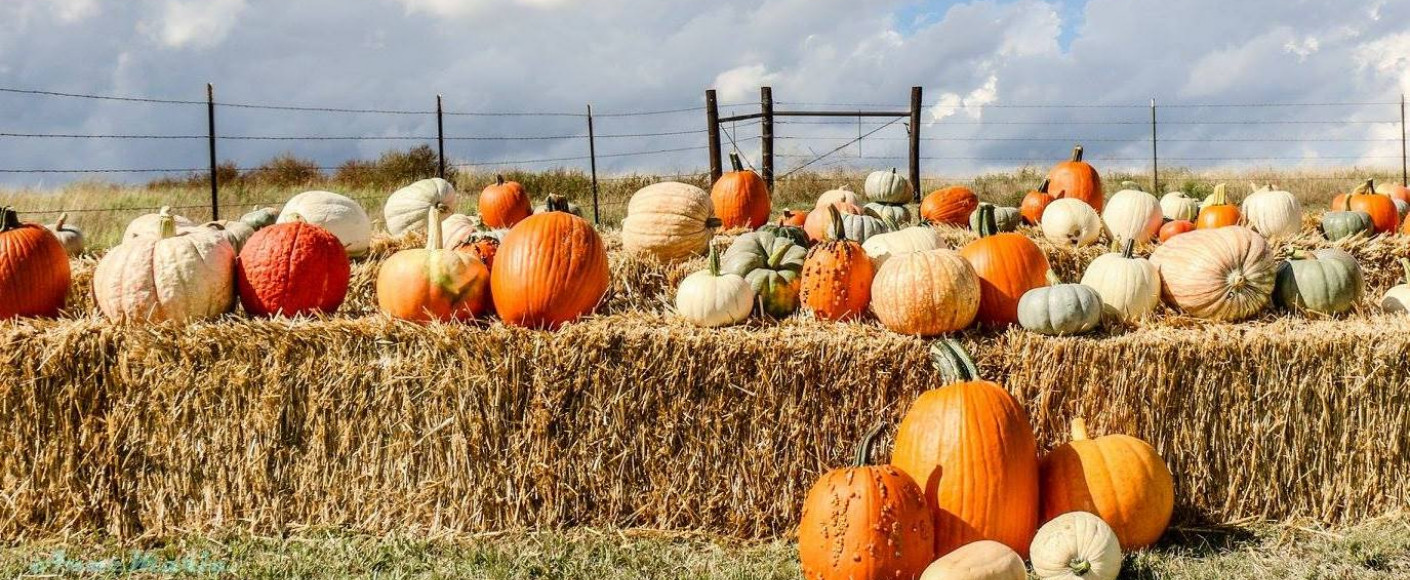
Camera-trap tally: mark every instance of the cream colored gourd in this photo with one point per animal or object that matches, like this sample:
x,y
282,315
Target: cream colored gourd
x,y
709,298
234,231
671,221
982,560
1129,285
1397,299
1075,546
406,209
1176,205
1272,213
176,275
880,247
71,237
1132,214
1224,274
149,225
1071,222
887,187
842,194
336,213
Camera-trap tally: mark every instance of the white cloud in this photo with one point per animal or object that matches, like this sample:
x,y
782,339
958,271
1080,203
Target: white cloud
x,y
461,8
194,23
742,83
74,10
972,105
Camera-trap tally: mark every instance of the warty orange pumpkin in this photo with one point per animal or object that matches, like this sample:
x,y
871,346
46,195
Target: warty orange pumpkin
x,y
504,203
292,268
1118,477
865,522
1077,179
837,275
949,205
34,269
741,197
1008,265
551,269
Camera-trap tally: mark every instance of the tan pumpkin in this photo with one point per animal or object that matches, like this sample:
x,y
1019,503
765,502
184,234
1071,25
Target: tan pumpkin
x,y
925,293
1224,274
982,560
671,221
903,241
176,275
842,194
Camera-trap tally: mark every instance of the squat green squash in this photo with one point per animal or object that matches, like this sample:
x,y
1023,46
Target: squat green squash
x,y
1337,225
1060,309
793,234
1326,281
893,214
770,264
1006,219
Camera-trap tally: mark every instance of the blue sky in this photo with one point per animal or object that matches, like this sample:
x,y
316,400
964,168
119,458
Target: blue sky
x,y
976,60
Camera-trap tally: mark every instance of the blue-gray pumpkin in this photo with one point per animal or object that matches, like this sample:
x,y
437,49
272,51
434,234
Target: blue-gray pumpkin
x,y
1338,225
1006,219
1326,281
771,265
1060,309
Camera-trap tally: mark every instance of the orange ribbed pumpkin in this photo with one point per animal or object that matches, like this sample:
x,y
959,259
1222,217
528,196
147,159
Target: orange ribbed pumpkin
x,y
433,283
741,198
1033,204
865,522
1381,207
292,268
795,217
1118,477
1077,179
837,275
949,205
818,220
1174,228
971,448
1217,212
504,203
34,269
550,269
1008,265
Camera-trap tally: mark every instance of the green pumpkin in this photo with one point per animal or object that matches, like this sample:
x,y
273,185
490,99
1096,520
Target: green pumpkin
x,y
859,227
573,208
952,362
794,234
1326,281
771,264
893,213
1060,309
260,218
1338,225
1006,219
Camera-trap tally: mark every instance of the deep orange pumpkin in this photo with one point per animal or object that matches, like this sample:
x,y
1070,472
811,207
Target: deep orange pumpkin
x,y
1078,180
866,521
1118,477
794,217
482,247
1381,207
1033,204
837,274
34,269
949,205
971,448
741,198
292,268
550,269
504,203
1174,228
1008,265
817,222
433,283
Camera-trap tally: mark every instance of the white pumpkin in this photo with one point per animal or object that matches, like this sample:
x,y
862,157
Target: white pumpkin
x,y
234,231
887,187
1075,546
1272,213
1129,285
1071,222
709,298
1178,206
880,247
842,194
149,225
981,560
406,209
1132,214
176,275
336,213
1397,299
71,237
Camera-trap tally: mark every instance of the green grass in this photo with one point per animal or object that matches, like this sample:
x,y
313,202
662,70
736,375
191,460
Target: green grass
x,y
1371,550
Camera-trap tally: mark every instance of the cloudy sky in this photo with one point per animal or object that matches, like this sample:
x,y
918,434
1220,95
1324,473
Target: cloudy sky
x,y
983,64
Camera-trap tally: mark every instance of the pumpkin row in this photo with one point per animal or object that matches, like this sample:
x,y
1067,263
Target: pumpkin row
x,y
965,493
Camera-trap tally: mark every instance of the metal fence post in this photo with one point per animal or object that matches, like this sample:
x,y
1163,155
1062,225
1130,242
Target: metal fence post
x,y
712,130
592,161
914,156
440,141
210,134
766,132
1404,175
1155,156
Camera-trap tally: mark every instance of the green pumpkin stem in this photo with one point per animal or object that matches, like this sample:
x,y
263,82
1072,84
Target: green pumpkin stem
x,y
1128,249
863,457
987,225
1079,567
556,202
433,228
734,161
1077,154
714,261
838,232
777,257
952,361
9,219
1043,187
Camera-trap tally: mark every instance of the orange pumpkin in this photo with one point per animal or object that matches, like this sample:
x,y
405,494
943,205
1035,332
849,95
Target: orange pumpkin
x,y
1216,211
1174,228
1078,180
1118,477
866,521
1405,227
949,205
34,269
504,203
482,247
817,222
550,269
971,448
837,275
1381,207
794,217
1400,192
741,198
1035,202
1008,265
433,283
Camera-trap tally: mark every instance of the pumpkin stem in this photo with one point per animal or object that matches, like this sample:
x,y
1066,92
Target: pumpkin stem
x,y
296,217
59,224
1079,429
9,219
498,179
714,261
1043,187
1077,153
734,161
713,222
1079,567
1346,202
556,202
987,225
863,457
166,225
1052,277
777,257
1370,186
952,361
433,227
838,232
1129,249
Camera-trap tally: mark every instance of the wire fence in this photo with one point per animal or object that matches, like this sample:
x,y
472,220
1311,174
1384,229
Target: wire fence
x,y
1204,141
